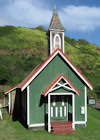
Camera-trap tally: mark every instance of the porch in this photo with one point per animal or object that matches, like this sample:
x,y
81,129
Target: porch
x,y
62,127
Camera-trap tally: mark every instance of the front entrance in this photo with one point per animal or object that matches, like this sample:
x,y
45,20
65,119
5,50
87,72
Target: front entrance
x,y
59,108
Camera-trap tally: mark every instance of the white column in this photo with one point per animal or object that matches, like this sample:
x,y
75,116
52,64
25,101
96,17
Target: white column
x,y
49,128
67,109
85,104
9,104
27,105
50,42
63,43
73,105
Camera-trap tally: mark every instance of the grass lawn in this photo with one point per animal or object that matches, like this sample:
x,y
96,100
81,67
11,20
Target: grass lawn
x,y
10,130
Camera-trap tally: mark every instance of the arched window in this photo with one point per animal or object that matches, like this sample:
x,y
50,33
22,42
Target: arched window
x,y
57,41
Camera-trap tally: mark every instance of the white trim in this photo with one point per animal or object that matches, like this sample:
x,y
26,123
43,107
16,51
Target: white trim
x,y
56,113
73,112
61,85
49,126
57,35
73,108
9,103
85,103
51,111
80,122
63,43
65,112
60,94
10,90
50,42
60,111
27,83
57,30
37,125
27,105
67,109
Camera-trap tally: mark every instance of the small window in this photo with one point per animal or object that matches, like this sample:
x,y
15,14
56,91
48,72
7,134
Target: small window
x,y
57,41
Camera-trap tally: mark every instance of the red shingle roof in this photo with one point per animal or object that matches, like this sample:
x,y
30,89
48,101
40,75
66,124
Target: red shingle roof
x,y
45,92
7,91
39,68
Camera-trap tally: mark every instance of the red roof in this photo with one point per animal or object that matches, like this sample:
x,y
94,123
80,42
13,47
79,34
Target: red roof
x,y
7,91
45,92
39,68
35,71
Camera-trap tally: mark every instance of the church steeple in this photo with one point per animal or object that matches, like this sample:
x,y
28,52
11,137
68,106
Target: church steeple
x,y
55,23
55,34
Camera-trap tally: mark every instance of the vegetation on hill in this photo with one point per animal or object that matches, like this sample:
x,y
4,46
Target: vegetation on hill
x,y
22,49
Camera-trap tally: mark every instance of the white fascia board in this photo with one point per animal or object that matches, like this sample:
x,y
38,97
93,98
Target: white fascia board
x,y
61,93
10,90
57,30
39,71
49,62
51,89
76,70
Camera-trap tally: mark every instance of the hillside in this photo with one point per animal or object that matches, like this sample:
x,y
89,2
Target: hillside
x,y
22,49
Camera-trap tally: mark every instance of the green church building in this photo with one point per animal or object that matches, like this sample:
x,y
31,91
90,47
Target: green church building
x,y
54,95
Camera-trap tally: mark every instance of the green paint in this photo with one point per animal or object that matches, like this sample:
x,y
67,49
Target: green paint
x,y
38,104
56,103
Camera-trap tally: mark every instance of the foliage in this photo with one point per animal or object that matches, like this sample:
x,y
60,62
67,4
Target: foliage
x,y
1,94
41,28
83,42
4,74
70,41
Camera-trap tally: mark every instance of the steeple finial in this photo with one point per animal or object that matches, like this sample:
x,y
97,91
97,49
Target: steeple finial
x,y
54,7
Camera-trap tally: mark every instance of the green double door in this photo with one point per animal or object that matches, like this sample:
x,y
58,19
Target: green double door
x,y
59,108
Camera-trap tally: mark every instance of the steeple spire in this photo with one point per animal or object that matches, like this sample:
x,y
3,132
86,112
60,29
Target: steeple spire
x,y
55,34
55,23
55,7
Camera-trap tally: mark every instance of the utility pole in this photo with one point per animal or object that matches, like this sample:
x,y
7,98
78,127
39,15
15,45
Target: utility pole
x,y
93,36
88,35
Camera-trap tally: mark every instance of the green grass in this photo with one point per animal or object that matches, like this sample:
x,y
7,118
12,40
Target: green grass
x,y
10,130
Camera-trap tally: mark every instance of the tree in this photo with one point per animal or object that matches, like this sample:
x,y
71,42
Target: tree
x,y
4,74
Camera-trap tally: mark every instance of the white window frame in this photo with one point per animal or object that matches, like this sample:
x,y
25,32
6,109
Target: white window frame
x,y
57,35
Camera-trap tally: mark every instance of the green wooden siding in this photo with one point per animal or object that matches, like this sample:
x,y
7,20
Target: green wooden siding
x,y
56,67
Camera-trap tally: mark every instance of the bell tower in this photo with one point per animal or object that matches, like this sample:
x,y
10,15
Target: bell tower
x,y
55,34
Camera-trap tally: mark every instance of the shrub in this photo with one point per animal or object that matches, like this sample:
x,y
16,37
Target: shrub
x,y
70,41
83,42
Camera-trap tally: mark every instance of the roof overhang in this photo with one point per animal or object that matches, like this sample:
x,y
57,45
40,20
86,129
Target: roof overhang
x,y
11,89
56,82
47,61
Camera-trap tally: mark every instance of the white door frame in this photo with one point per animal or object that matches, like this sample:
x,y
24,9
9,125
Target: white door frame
x,y
73,108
